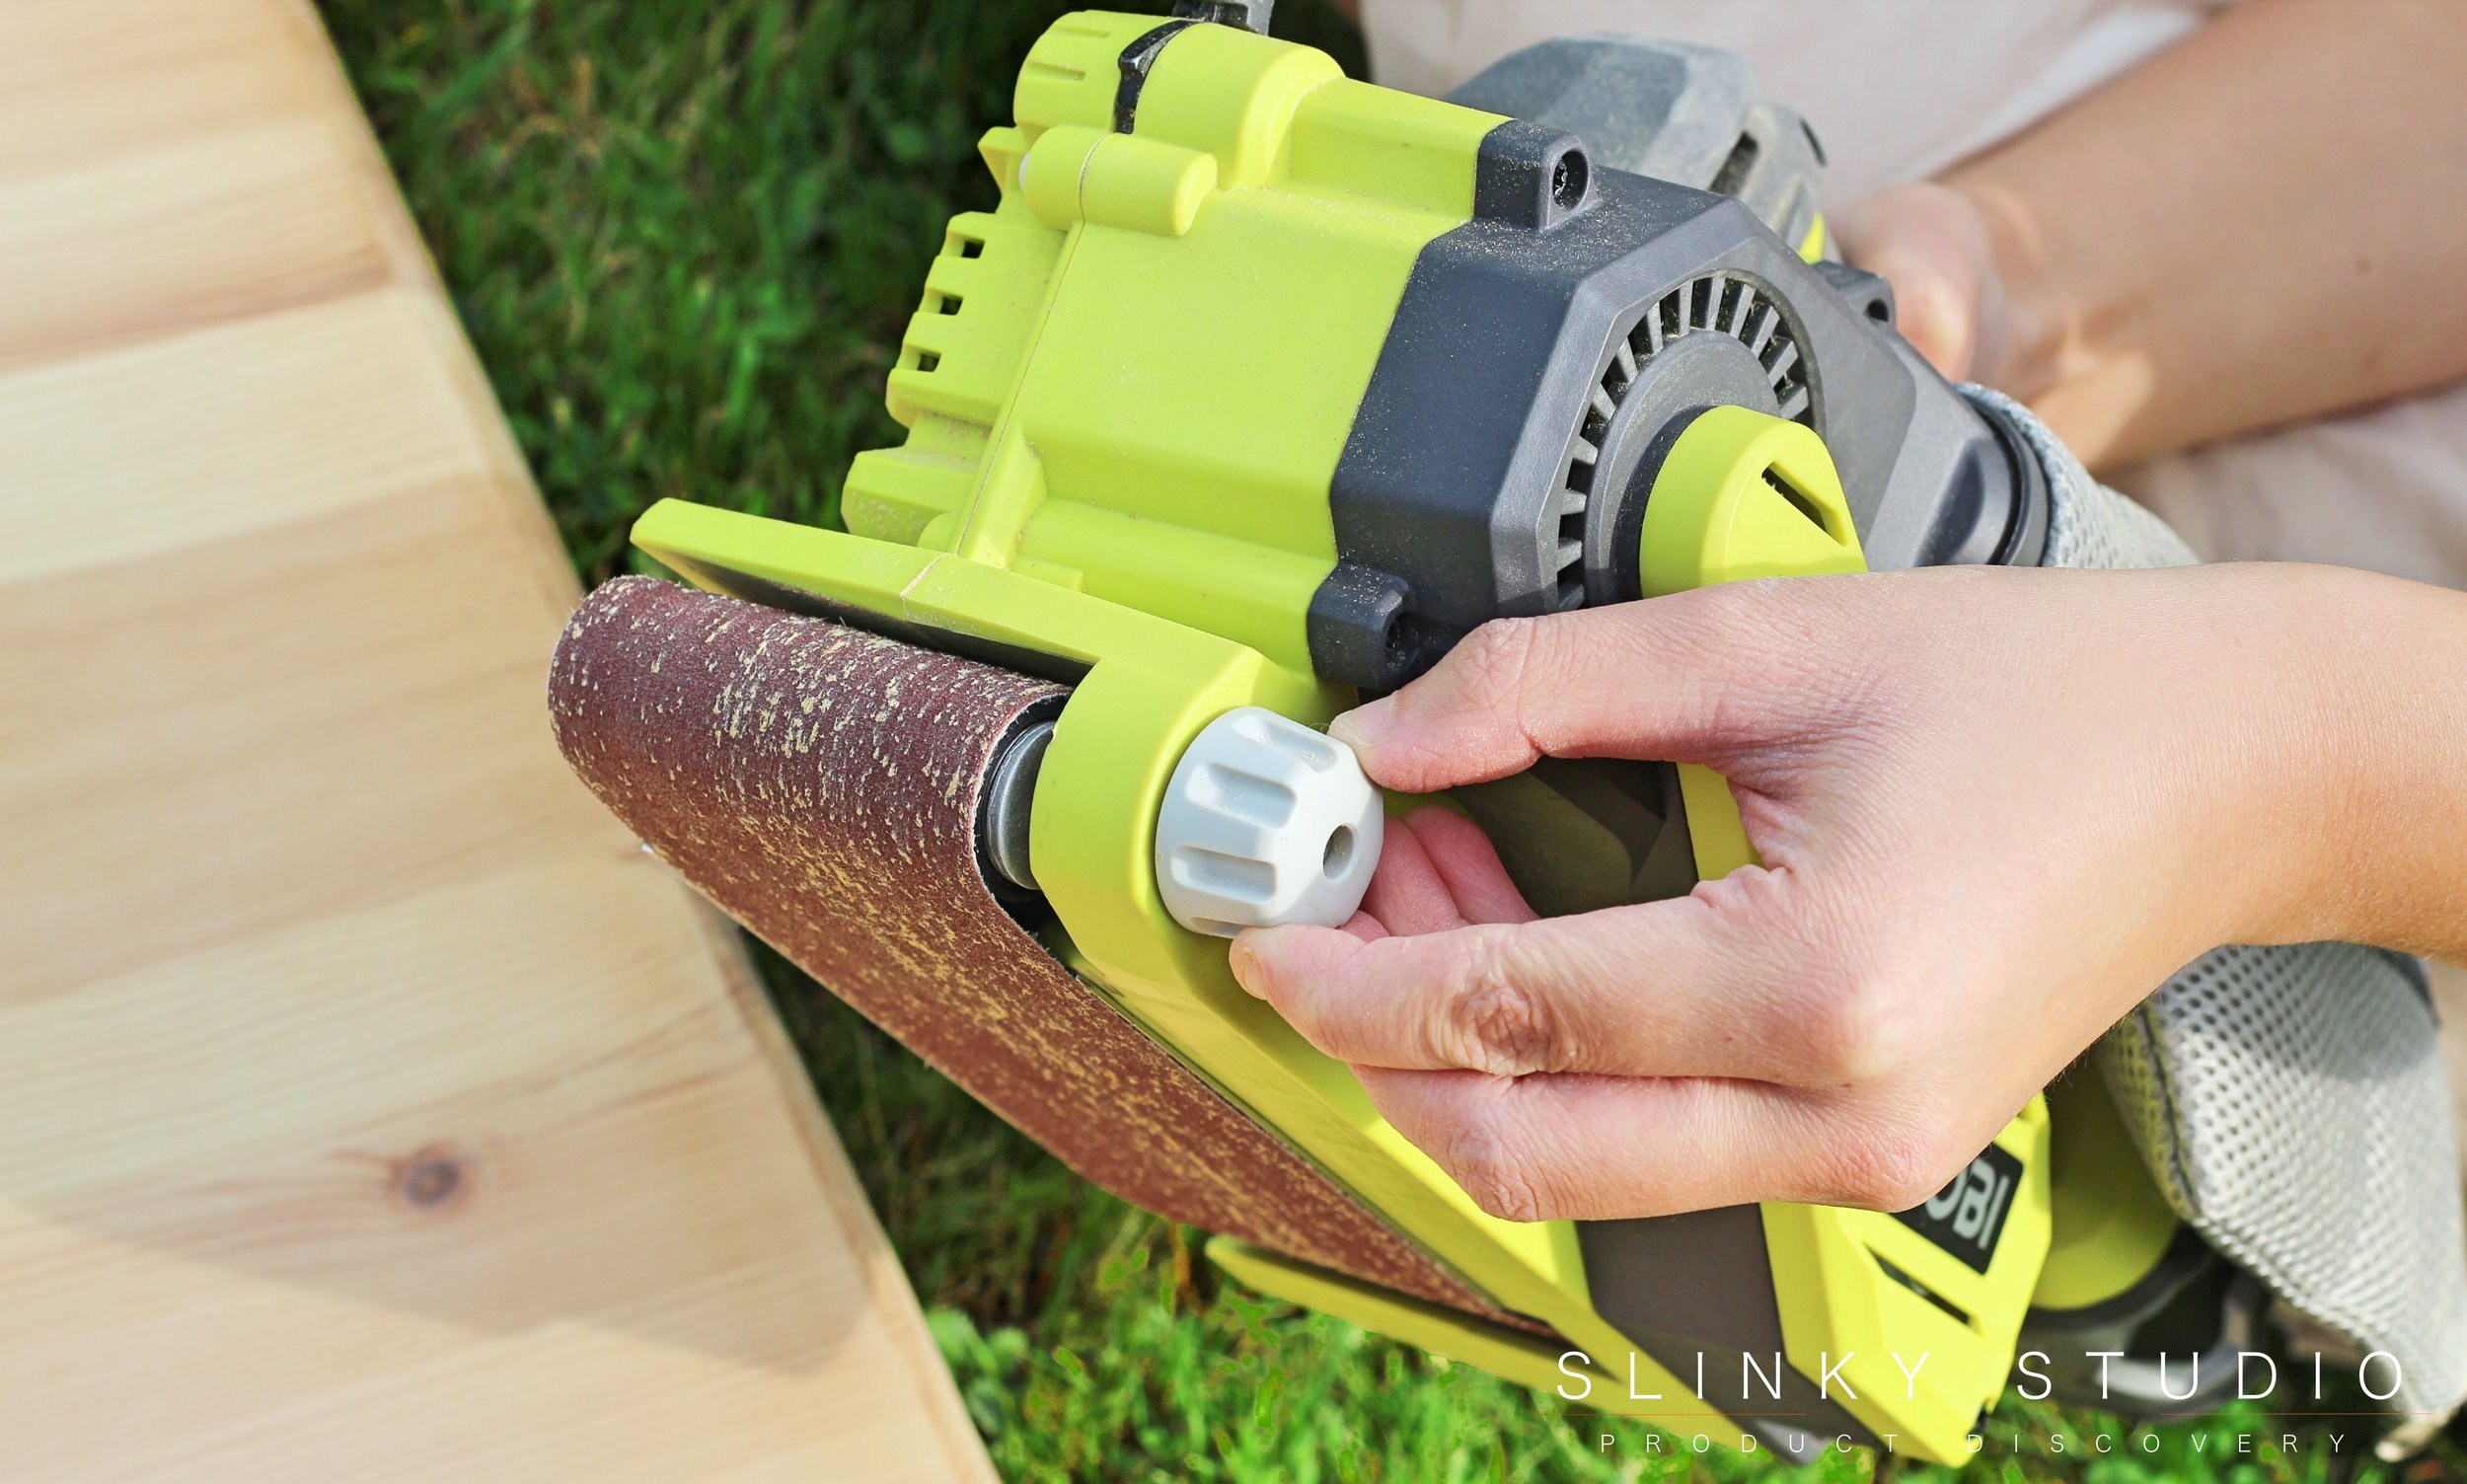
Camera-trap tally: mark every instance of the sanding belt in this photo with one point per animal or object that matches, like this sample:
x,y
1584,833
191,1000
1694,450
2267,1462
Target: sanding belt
x,y
821,785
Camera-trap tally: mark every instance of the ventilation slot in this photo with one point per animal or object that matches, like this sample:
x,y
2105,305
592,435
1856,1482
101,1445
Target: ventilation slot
x,y
1734,171
1920,1289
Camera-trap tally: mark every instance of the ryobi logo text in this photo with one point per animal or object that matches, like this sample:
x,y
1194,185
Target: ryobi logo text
x,y
1968,1215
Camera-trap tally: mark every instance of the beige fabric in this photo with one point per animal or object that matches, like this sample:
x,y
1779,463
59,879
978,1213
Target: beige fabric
x,y
2449,1005
2384,490
1898,89
1895,88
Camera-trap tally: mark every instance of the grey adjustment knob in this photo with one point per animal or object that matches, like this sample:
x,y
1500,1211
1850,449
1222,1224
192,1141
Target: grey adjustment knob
x,y
1265,822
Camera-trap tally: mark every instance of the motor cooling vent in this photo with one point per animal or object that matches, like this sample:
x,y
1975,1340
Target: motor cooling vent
x,y
1709,304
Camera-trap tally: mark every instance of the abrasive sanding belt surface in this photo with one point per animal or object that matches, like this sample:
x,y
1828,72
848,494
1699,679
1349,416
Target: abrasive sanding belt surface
x,y
820,784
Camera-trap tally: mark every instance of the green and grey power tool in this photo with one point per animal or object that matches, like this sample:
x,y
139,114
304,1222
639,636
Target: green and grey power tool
x,y
1261,387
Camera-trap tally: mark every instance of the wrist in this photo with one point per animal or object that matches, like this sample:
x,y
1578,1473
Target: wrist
x,y
2315,746
2383,696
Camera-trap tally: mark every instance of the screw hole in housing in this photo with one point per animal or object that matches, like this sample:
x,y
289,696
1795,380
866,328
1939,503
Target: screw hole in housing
x,y
1568,179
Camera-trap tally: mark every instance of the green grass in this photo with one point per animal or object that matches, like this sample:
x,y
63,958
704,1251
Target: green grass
x,y
685,235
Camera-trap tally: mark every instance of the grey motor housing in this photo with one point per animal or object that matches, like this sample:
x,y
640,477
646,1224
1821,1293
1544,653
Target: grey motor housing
x,y
1668,110
1546,353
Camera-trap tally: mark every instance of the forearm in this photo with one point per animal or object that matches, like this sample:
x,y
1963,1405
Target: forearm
x,y
2363,680
2260,225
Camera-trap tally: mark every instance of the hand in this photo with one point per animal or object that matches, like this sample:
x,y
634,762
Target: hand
x,y
1995,809
1931,244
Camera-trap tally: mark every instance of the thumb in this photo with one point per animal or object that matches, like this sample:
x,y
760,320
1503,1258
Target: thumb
x,y
1929,242
1695,677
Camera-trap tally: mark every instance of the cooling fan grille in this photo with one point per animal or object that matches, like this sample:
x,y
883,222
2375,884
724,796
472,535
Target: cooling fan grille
x,y
1710,304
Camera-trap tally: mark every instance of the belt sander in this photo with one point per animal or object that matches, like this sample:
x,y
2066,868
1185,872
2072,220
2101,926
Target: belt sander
x,y
1257,389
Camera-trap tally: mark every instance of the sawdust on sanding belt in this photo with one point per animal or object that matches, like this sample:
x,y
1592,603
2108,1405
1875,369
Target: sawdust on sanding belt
x,y
820,784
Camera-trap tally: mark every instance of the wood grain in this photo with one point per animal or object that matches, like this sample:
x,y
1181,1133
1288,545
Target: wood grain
x,y
373,1107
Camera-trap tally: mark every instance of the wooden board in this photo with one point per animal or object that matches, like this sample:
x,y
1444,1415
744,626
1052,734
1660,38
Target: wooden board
x,y
370,1106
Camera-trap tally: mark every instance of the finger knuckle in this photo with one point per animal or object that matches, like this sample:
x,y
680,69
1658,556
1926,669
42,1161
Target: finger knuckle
x,y
1753,621
1893,1166
1490,1167
1846,1013
1494,1024
1490,662
1846,1036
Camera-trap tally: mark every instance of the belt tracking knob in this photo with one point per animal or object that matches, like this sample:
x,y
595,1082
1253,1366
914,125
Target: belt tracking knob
x,y
1265,822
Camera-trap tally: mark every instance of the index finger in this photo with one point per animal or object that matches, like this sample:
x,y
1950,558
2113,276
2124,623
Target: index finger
x,y
1686,677
1681,988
